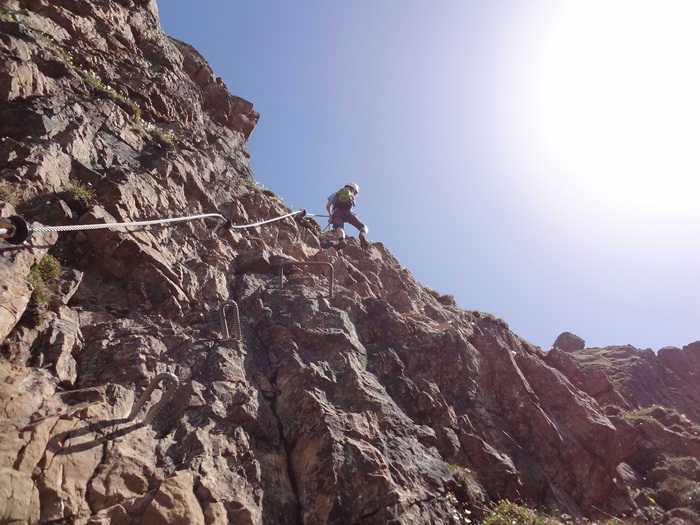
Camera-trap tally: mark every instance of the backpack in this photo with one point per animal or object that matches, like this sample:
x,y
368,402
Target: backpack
x,y
344,199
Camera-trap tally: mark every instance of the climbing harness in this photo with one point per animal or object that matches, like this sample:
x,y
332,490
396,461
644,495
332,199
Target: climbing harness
x,y
16,230
173,381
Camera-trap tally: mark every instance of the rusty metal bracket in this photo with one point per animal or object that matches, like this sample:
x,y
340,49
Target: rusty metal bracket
x,y
173,381
236,320
307,263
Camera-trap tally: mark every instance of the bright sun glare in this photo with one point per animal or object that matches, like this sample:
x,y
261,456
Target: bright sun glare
x,y
619,98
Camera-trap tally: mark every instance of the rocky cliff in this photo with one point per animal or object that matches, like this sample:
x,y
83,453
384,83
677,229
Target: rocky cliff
x,y
190,372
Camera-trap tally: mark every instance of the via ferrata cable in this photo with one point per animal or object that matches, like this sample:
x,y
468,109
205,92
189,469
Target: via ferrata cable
x,y
16,230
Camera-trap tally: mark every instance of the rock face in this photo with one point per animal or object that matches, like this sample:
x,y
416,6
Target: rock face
x,y
381,403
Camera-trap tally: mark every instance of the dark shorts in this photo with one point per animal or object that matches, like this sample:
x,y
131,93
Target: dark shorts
x,y
340,217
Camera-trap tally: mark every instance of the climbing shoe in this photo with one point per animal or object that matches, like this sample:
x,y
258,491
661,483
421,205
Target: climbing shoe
x,y
341,244
363,241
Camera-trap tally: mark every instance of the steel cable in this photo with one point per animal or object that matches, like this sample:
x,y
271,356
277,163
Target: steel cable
x,y
16,230
78,227
102,226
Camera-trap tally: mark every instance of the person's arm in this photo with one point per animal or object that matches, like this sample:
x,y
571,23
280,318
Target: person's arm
x,y
329,204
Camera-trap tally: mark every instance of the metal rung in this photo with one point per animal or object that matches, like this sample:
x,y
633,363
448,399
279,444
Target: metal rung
x,y
308,263
236,320
173,381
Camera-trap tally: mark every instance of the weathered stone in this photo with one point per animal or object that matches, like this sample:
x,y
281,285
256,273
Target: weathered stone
x,y
15,265
569,342
19,498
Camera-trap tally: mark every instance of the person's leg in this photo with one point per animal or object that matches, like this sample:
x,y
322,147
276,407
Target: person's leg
x,y
355,221
338,228
338,222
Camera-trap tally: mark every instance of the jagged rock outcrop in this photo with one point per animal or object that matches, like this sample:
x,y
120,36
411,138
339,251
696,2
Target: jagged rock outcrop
x,y
569,342
383,403
652,399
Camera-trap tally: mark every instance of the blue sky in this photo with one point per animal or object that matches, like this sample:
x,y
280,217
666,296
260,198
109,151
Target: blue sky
x,y
538,160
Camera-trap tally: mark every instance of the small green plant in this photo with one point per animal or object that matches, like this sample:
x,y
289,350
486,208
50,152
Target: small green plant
x,y
44,279
46,38
163,136
254,238
678,492
258,187
685,466
490,317
8,348
83,193
653,413
508,513
684,514
60,51
460,513
461,474
6,17
9,195
467,492
95,81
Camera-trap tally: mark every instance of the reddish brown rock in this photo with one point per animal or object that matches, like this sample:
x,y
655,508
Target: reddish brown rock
x,y
380,404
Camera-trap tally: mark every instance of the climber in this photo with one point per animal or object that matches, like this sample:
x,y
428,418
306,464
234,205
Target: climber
x,y
339,207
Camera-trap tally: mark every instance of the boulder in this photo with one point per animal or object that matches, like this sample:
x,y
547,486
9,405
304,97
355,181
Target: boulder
x,y
569,342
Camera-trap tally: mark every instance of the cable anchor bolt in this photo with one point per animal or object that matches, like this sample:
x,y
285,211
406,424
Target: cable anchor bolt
x,y
15,229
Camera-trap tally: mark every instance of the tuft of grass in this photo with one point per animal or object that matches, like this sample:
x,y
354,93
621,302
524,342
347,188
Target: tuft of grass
x,y
687,467
83,193
44,279
492,318
8,348
460,513
678,492
446,299
7,17
642,414
260,188
95,81
469,489
684,514
508,513
677,483
9,195
166,138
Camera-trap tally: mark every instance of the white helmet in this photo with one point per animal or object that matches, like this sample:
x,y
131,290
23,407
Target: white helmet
x,y
353,186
